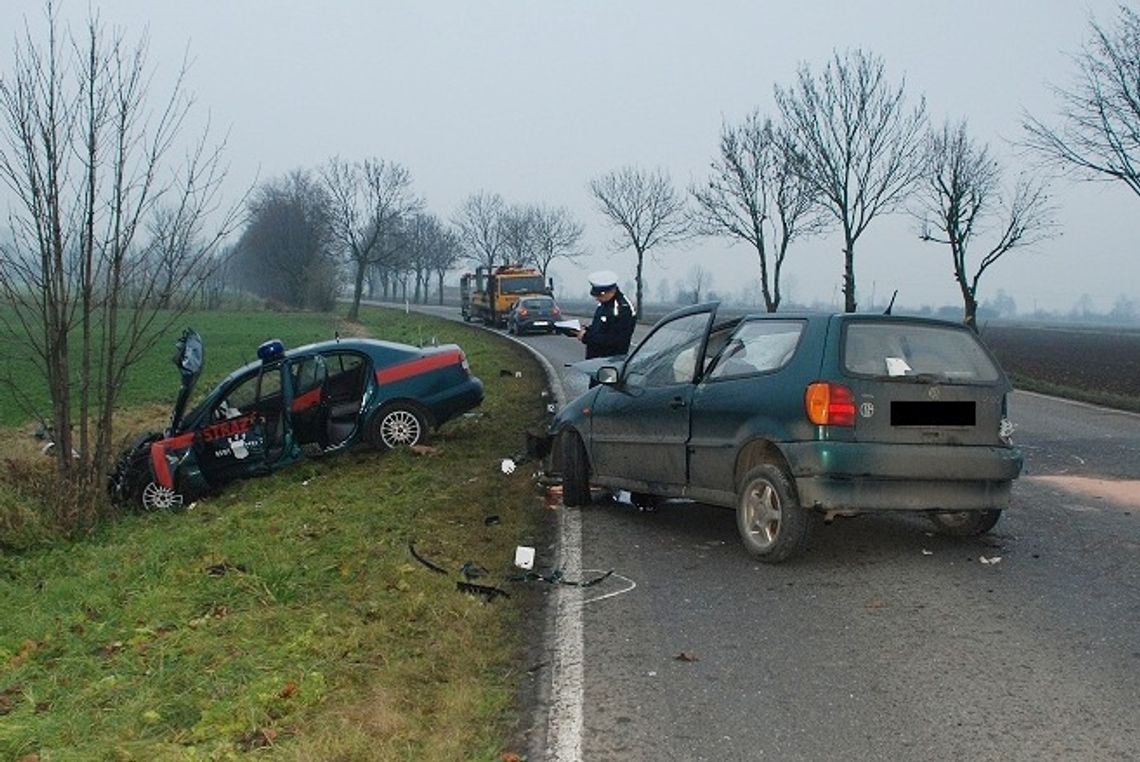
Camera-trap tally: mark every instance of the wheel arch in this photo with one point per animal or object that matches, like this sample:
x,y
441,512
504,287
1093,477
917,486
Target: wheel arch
x,y
756,452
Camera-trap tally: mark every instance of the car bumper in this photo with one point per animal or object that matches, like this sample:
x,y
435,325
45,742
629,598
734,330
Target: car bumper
x,y
836,476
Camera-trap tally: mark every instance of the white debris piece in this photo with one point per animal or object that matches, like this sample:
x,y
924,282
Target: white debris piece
x,y
508,466
989,561
524,557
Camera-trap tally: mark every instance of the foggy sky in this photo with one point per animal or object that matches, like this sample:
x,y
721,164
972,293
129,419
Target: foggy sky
x,y
532,99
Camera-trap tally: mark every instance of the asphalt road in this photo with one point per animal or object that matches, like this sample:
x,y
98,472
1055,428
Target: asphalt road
x,y
884,641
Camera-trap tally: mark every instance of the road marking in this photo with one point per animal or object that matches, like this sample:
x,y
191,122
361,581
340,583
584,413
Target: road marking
x,y
564,728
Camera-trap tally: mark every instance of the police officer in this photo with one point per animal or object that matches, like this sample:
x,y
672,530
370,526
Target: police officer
x,y
612,328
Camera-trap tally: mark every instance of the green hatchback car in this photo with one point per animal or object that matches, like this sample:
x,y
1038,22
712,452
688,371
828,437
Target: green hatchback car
x,y
288,405
784,416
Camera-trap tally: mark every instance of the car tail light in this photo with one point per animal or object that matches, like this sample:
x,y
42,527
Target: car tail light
x,y
523,311
556,312
829,404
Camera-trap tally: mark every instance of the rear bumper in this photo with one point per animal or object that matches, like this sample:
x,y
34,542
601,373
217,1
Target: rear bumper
x,y
843,476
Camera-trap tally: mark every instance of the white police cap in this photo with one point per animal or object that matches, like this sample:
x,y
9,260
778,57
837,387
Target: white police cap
x,y
602,280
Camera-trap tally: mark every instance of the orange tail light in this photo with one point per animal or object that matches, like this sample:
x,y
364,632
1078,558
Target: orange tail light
x,y
829,404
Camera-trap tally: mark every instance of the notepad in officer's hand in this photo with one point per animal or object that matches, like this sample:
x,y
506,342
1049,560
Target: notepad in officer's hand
x,y
568,327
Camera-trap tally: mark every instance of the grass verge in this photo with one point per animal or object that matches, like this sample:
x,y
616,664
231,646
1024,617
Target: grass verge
x,y
287,617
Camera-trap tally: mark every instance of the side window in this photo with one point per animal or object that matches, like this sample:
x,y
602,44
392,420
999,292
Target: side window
x,y
345,375
669,355
758,346
308,374
257,391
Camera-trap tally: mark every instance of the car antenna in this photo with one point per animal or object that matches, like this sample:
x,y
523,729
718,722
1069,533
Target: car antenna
x,y
887,311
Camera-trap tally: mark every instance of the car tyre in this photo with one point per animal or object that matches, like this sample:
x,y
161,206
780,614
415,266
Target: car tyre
x,y
131,474
575,469
772,523
965,523
397,425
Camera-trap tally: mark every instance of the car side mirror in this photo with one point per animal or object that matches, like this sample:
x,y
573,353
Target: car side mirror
x,y
608,375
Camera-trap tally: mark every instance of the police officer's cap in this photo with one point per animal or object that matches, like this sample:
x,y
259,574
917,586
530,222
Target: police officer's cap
x,y
602,281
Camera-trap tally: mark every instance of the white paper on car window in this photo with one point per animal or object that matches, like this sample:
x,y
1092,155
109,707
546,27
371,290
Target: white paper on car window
x,y
570,325
896,366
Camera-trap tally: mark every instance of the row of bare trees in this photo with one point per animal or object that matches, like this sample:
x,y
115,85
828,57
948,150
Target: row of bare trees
x,y
847,148
495,233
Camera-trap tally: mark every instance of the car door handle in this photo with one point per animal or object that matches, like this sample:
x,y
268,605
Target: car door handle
x,y
677,403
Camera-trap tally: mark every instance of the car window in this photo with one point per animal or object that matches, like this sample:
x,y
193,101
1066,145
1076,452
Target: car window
x,y
669,354
901,349
308,374
257,391
758,346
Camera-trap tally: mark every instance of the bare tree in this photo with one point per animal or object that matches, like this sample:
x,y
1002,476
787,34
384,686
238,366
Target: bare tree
x,y
285,254
445,256
699,280
369,199
646,210
1099,132
517,228
479,221
556,235
860,146
89,159
756,194
962,193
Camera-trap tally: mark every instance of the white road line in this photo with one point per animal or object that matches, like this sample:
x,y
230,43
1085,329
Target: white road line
x,y
564,728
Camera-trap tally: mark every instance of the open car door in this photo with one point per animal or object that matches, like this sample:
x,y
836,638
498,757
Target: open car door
x,y
640,426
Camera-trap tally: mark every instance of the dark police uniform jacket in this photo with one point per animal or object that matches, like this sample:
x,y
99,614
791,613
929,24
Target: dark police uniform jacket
x,y
612,328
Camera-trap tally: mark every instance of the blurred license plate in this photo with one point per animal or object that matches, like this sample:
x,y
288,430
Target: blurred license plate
x,y
542,322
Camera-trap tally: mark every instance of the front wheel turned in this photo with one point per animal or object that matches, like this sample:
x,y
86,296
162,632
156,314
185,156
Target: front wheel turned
x,y
772,524
575,467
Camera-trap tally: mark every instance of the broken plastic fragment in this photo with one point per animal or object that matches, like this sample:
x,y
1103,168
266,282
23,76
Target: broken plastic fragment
x,y
926,552
508,466
989,561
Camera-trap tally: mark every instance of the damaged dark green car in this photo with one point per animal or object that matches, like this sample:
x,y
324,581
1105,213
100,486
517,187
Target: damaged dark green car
x,y
788,417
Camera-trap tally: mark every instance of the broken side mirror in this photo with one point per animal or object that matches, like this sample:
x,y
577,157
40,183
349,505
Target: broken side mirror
x,y
608,375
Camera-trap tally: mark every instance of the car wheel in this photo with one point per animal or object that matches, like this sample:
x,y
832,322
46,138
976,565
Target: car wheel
x,y
131,474
575,469
965,523
771,522
399,425
155,497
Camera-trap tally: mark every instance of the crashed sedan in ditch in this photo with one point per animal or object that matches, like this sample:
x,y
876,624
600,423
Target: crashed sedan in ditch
x,y
786,417
288,405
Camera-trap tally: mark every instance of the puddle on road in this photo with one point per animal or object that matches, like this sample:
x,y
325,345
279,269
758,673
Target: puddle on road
x,y
1124,493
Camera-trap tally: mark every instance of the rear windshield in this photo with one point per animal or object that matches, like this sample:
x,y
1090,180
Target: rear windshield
x,y
902,349
537,304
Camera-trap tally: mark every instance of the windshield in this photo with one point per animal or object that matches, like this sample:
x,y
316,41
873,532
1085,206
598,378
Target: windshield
x,y
526,284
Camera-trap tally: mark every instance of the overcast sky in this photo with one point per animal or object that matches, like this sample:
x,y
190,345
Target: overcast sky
x,y
532,99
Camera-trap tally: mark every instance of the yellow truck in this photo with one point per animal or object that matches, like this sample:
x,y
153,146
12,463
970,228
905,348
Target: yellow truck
x,y
488,294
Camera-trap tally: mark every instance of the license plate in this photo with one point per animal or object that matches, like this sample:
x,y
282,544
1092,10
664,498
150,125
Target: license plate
x,y
542,322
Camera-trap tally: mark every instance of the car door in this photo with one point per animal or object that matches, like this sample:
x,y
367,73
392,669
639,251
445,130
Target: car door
x,y
247,430
640,425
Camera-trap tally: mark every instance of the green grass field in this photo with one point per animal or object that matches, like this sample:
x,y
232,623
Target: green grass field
x,y
286,618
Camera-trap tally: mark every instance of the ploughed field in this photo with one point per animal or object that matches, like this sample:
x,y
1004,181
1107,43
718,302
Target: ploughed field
x,y
1099,365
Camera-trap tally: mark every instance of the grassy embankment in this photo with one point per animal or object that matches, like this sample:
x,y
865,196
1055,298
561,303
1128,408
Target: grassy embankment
x,y
285,618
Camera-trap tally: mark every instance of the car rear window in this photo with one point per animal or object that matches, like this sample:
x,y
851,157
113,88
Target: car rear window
x,y
900,349
758,346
